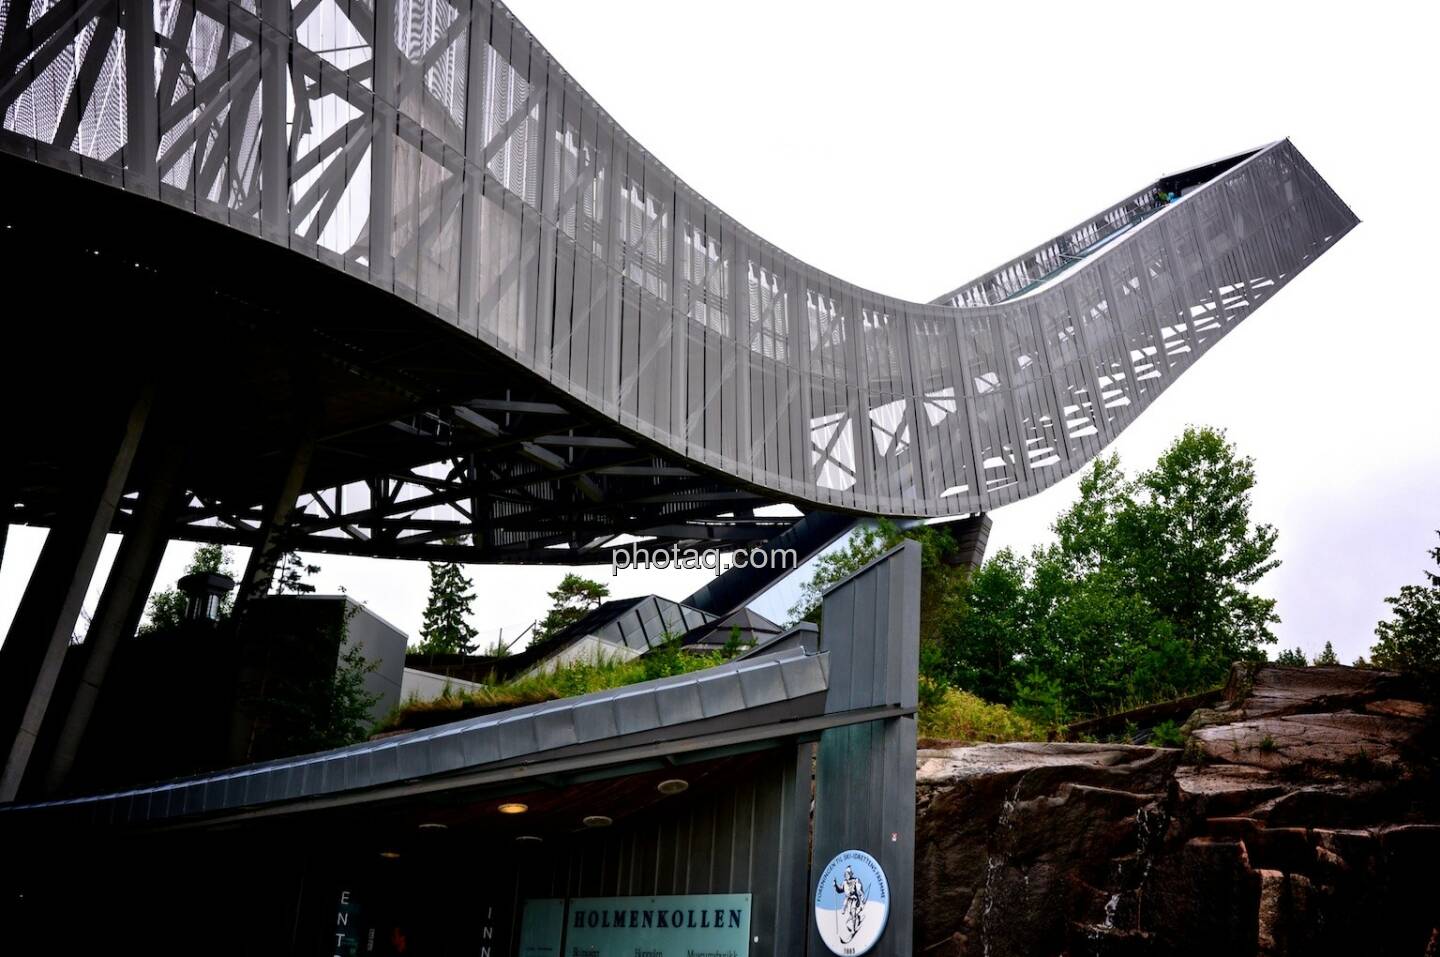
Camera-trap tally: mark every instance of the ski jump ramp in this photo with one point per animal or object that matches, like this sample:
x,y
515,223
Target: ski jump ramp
x,y
433,151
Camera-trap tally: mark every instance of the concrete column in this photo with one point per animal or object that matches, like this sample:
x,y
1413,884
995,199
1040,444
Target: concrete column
x,y
260,569
121,604
258,574
34,649
970,534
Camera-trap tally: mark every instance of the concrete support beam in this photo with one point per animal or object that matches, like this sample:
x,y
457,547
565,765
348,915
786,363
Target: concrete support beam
x,y
34,649
260,570
971,535
121,604
271,546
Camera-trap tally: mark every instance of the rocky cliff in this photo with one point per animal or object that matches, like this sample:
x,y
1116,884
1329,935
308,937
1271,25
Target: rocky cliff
x,y
1301,818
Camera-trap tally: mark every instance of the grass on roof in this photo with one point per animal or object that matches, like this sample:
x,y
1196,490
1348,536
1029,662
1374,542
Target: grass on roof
x,y
565,681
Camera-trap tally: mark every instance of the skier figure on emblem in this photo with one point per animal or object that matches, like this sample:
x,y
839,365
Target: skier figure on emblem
x,y
854,910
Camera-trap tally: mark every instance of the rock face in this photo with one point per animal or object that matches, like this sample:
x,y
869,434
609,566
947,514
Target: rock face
x,y
1319,718
1302,818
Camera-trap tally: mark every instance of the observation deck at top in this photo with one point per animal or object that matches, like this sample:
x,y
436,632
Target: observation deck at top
x,y
518,327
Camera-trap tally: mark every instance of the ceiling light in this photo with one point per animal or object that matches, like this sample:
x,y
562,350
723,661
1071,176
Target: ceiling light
x,y
529,839
434,826
514,807
672,786
597,820
390,855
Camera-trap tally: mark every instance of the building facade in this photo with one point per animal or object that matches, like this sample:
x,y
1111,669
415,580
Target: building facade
x,y
540,830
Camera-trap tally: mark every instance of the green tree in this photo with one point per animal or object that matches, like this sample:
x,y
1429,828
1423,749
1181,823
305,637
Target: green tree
x,y
1039,698
330,710
987,630
1327,655
941,576
1146,592
446,629
1292,658
290,575
167,608
734,645
1185,535
348,715
865,544
1410,639
574,598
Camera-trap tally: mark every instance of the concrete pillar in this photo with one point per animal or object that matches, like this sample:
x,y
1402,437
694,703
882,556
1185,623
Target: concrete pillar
x,y
260,569
121,604
258,574
971,535
34,649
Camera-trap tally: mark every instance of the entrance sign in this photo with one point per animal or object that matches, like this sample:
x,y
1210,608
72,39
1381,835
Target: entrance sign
x,y
717,925
347,925
852,902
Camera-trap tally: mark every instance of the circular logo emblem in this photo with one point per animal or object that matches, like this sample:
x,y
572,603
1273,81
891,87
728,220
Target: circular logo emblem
x,y
852,902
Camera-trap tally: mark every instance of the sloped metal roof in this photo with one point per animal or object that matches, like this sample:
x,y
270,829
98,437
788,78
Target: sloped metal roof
x,y
753,692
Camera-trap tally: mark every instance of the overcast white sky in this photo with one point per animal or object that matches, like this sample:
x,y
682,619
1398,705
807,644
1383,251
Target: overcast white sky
x,y
911,145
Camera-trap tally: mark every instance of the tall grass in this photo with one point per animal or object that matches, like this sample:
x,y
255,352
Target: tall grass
x,y
961,716
944,712
565,681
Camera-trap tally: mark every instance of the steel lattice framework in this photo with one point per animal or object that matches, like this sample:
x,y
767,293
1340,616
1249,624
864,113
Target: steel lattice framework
x,y
682,371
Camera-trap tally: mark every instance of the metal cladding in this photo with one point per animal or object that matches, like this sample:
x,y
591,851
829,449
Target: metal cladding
x,y
435,150
753,695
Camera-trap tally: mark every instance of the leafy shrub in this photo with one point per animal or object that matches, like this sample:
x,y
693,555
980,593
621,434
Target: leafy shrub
x,y
1167,734
1410,639
961,716
931,693
1039,699
1292,658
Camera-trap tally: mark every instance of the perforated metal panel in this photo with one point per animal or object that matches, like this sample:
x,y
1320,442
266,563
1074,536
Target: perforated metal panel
x,y
435,149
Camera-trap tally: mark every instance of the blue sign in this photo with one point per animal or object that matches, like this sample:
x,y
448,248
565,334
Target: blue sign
x,y
713,925
852,902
